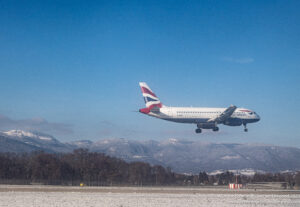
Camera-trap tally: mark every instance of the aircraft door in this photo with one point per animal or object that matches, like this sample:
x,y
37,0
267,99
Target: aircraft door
x,y
170,112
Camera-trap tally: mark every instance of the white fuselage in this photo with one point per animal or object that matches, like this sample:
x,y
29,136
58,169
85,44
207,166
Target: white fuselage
x,y
202,115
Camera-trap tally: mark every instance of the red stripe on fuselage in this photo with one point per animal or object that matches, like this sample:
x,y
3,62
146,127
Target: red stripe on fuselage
x,y
245,110
146,90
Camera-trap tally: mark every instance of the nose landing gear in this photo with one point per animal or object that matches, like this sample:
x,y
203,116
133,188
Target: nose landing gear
x,y
245,127
198,130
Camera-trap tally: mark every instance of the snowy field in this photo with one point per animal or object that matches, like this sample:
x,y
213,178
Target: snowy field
x,y
73,198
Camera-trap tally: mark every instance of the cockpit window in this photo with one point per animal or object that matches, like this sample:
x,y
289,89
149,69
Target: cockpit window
x,y
250,113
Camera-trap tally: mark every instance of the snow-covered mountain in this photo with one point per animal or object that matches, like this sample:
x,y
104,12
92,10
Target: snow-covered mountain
x,y
22,134
30,141
194,156
185,156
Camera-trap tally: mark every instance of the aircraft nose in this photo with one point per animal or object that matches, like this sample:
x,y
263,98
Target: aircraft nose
x,y
257,117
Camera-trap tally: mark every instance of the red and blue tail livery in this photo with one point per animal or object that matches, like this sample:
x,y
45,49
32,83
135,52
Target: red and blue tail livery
x,y
204,118
151,100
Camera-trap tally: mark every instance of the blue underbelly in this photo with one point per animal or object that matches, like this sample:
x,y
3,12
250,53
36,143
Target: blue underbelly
x,y
187,120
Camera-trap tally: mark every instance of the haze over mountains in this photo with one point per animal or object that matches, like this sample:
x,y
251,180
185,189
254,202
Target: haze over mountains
x,y
184,156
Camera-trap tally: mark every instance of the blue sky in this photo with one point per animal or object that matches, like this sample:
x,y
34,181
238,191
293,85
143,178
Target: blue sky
x,y
71,68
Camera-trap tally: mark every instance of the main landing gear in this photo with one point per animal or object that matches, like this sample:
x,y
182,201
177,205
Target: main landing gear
x,y
215,129
199,130
245,127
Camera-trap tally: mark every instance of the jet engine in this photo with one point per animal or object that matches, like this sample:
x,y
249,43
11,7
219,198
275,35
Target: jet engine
x,y
233,122
206,125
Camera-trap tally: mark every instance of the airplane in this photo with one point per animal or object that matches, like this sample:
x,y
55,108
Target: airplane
x,y
204,118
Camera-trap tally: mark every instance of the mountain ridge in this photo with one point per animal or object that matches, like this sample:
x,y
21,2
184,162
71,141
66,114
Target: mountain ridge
x,y
184,156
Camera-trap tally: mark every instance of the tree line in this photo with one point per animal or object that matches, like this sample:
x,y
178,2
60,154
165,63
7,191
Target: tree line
x,y
80,166
98,169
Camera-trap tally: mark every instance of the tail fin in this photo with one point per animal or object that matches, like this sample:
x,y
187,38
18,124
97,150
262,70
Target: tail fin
x,y
150,98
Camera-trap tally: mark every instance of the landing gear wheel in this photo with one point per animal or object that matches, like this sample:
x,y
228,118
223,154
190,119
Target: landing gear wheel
x,y
198,131
216,129
245,128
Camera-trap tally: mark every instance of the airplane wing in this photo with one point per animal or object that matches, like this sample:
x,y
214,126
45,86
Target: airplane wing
x,y
224,115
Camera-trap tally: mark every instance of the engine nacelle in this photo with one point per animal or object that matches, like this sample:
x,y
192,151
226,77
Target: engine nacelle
x,y
206,125
233,122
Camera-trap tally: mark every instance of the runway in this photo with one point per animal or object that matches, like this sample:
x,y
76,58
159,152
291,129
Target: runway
x,y
62,196
168,190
